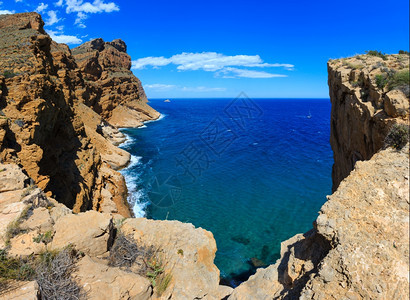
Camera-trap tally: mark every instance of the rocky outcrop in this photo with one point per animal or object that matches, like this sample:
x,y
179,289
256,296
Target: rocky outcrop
x,y
118,95
364,107
55,113
184,252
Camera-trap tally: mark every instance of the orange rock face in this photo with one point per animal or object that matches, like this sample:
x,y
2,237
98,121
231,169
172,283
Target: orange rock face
x,y
68,149
118,95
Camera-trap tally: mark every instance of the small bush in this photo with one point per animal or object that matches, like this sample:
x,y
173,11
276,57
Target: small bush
x,y
399,79
9,74
404,52
13,228
377,53
125,252
43,237
54,276
397,137
381,80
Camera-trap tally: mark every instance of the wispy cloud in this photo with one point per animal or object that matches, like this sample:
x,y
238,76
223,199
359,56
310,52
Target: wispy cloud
x,y
213,62
160,86
52,18
41,7
167,87
6,12
62,38
207,61
245,73
83,8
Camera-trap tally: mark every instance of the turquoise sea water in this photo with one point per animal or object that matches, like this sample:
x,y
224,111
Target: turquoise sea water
x,y
253,172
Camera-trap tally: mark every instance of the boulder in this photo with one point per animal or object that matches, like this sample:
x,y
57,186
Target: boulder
x,y
90,232
11,178
396,104
26,290
187,253
101,282
24,245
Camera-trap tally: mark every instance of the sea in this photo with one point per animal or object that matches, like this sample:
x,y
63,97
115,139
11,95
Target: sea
x,y
254,172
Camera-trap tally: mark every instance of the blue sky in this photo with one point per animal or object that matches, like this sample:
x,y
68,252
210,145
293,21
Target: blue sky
x,y
220,48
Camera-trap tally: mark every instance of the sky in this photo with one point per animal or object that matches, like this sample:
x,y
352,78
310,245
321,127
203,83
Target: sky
x,y
204,49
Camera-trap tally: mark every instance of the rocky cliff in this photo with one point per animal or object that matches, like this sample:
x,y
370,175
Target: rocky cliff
x,y
55,114
367,99
118,95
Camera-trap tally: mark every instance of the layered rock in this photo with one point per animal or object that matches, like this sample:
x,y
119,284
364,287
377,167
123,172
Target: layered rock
x,y
364,107
119,96
53,114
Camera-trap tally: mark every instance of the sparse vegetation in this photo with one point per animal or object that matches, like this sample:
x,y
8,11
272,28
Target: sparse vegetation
x,y
381,81
377,53
13,228
53,276
45,238
9,74
397,137
404,52
145,261
355,66
14,269
399,79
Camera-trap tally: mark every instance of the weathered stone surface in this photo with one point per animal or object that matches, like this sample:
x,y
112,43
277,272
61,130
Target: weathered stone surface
x,y
11,178
396,104
193,271
24,245
26,290
90,232
39,220
101,282
362,113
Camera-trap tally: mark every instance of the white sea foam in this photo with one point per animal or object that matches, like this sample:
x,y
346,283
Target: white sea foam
x,y
137,197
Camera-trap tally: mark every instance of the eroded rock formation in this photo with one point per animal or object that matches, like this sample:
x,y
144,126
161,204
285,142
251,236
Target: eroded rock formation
x,y
54,114
118,95
364,107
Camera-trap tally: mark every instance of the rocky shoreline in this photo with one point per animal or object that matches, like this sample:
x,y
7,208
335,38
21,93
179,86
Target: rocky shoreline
x,y
63,199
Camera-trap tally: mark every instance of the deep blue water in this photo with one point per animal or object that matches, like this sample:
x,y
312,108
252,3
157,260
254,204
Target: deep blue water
x,y
253,172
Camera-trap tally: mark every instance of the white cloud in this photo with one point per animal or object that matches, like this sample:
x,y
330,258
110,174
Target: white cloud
x,y
167,87
207,61
160,86
82,8
6,12
62,38
245,73
41,7
97,6
80,20
18,1
52,18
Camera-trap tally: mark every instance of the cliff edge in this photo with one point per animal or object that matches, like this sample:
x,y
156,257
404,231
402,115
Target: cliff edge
x,y
369,93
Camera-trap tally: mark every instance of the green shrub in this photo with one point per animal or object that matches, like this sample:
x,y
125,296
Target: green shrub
x,y
399,79
43,237
404,52
377,53
397,137
381,80
9,74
